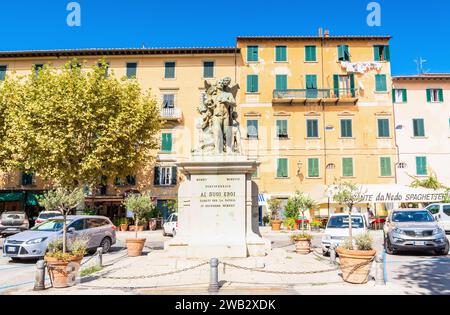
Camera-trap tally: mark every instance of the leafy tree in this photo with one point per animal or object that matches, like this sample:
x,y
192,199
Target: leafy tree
x,y
431,182
73,126
306,204
140,206
348,194
292,208
274,207
64,201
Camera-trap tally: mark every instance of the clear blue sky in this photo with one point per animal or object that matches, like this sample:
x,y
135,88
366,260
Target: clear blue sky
x,y
419,28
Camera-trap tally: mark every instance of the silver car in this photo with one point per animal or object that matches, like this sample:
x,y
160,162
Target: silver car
x,y
32,244
412,229
13,222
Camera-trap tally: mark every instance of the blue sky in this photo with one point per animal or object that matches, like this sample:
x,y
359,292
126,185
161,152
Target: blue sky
x,y
419,28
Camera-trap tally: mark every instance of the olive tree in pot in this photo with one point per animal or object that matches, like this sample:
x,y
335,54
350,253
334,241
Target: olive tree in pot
x,y
61,253
292,210
302,203
274,207
355,262
140,206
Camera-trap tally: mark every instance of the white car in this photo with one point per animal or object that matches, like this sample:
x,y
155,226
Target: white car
x,y
171,225
337,230
441,212
44,216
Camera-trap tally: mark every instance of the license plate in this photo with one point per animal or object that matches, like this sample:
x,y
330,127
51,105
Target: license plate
x,y
10,249
420,243
11,229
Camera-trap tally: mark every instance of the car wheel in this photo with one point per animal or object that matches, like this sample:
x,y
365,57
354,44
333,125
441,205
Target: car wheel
x,y
16,260
388,246
174,233
106,245
445,251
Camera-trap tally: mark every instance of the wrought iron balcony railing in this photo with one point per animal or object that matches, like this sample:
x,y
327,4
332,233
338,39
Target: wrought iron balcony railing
x,y
171,113
314,93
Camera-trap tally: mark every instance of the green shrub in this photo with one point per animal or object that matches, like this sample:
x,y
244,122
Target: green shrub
x,y
301,236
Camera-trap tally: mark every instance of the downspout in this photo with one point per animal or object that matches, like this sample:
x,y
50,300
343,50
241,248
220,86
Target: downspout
x,y
324,112
395,138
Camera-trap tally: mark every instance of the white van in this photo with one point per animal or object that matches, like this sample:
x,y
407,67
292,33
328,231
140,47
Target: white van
x,y
441,212
171,225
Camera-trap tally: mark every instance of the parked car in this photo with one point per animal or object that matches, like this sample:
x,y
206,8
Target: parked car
x,y
46,215
33,244
13,222
170,227
337,230
414,229
441,212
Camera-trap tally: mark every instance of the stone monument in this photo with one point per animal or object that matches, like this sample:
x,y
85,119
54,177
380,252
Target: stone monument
x,y
218,201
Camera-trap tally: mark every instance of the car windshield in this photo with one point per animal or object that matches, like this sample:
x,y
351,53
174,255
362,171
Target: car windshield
x,y
412,216
48,215
50,226
342,222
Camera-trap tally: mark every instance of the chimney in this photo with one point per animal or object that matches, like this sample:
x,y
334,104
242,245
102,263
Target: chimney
x,y
320,32
327,33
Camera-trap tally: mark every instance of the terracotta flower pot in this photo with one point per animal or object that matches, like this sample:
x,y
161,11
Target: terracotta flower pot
x,y
135,246
296,226
124,227
303,246
276,225
63,273
355,264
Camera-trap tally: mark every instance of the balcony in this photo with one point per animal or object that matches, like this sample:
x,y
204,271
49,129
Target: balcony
x,y
315,97
172,113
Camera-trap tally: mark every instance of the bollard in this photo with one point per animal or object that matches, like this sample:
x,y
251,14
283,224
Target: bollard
x,y
333,254
379,272
39,284
99,257
214,276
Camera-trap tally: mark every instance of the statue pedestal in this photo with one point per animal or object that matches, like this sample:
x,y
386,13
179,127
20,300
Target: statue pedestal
x,y
218,210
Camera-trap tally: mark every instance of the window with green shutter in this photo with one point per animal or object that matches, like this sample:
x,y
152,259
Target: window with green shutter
x,y
170,70
3,69
311,86
343,53
208,69
27,179
347,167
252,129
435,95
166,142
310,53
131,70
419,127
421,166
400,95
282,129
313,167
281,53
383,128
385,167
380,83
346,128
252,83
281,82
312,128
382,53
252,54
282,168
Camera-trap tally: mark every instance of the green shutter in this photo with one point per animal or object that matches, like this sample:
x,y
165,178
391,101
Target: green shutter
x,y
343,53
419,127
166,142
405,95
347,164
429,95
281,82
131,70
376,52
352,84
383,128
311,86
387,53
421,165
312,128
381,83
3,72
313,167
441,95
252,83
281,53
386,169
346,128
310,53
170,70
336,84
282,168
208,69
174,177
252,53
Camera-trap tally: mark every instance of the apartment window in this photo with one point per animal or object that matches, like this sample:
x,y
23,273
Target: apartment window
x,y
344,85
380,83
208,69
3,72
343,53
129,181
313,167
166,142
165,176
281,53
383,128
252,129
347,167
27,179
346,128
421,166
252,83
282,129
435,95
310,53
312,128
170,70
131,70
311,86
419,127
385,167
38,67
400,95
281,82
168,100
252,54
104,65
282,168
382,53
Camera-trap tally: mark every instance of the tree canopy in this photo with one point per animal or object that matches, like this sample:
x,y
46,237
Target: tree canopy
x,y
71,126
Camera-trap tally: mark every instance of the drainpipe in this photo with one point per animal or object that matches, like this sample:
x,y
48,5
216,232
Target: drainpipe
x,y
323,110
395,139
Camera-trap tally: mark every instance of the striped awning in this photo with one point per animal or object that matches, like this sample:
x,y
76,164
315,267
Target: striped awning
x,y
262,200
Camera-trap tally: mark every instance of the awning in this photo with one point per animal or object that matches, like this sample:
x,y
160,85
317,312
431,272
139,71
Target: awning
x,y
30,198
15,196
262,200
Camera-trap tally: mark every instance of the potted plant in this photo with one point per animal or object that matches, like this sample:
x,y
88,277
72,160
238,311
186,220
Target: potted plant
x,y
266,220
289,223
124,223
140,206
60,255
302,243
274,207
292,209
355,263
306,204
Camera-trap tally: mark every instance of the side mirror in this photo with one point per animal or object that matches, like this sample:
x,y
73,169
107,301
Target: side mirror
x,y
71,230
